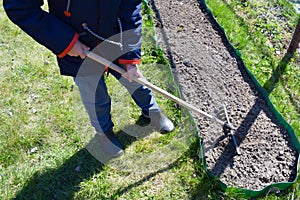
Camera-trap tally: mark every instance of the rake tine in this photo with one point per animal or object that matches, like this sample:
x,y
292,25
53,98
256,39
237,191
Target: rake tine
x,y
231,133
220,113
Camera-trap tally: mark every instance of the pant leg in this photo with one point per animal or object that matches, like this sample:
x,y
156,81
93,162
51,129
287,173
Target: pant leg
x,y
141,94
96,100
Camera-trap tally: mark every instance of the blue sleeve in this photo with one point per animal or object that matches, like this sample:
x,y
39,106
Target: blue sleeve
x,y
42,26
132,30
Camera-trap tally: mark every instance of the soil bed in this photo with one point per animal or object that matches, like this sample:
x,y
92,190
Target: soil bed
x,y
209,75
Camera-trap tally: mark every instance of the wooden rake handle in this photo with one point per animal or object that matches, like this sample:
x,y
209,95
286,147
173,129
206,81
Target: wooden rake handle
x,y
146,83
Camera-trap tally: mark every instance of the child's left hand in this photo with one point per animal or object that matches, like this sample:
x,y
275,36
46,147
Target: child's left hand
x,y
132,72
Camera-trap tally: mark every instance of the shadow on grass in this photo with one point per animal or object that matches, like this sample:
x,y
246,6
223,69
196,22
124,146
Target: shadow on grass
x,y
195,193
122,191
276,77
277,73
63,182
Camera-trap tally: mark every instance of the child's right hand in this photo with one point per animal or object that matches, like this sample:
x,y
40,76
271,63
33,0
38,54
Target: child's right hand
x,y
78,50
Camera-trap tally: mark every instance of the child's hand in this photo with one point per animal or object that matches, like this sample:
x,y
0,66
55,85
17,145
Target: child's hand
x,y
132,71
78,50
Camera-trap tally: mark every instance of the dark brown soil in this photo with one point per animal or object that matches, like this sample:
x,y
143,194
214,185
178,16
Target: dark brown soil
x,y
210,75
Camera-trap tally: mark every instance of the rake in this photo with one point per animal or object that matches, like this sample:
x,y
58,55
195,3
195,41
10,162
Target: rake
x,y
227,126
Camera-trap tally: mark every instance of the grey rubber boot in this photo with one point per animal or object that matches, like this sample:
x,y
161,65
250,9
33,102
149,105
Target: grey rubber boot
x,y
160,121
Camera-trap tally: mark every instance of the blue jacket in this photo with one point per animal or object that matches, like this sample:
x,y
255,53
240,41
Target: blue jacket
x,y
62,26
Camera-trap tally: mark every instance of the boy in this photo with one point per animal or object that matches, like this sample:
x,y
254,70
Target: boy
x,y
111,27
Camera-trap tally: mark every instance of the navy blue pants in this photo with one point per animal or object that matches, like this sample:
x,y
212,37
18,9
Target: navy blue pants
x,y
97,102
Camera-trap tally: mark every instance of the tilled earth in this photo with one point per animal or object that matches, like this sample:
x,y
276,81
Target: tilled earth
x,y
210,75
